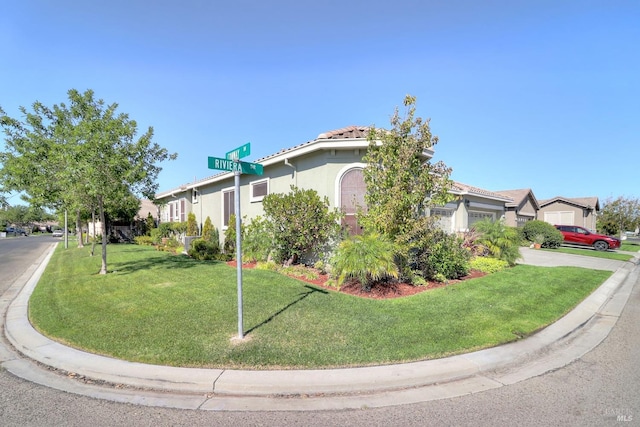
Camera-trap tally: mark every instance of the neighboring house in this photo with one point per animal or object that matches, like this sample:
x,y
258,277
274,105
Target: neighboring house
x,y
523,207
582,211
472,204
125,231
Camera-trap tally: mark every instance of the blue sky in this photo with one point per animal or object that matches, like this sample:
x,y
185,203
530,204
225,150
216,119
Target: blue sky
x,y
522,94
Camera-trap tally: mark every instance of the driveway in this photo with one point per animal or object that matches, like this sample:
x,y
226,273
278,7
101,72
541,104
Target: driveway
x,y
557,259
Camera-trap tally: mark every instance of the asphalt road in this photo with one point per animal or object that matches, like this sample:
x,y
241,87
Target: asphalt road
x,y
602,388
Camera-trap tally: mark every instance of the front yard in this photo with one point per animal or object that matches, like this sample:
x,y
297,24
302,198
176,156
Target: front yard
x,y
158,308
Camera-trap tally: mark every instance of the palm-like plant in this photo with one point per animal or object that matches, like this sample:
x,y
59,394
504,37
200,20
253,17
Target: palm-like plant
x,y
368,258
502,241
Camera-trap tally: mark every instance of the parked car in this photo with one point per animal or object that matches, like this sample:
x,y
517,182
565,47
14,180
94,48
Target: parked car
x,y
581,236
17,231
57,233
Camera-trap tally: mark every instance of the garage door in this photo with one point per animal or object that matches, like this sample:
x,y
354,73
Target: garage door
x,y
559,217
444,219
479,216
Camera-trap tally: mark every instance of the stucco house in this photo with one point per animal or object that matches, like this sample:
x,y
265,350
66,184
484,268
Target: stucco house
x,y
581,211
523,207
332,165
472,204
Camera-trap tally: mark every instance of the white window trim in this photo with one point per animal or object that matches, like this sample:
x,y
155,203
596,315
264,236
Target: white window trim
x,y
195,195
253,199
222,192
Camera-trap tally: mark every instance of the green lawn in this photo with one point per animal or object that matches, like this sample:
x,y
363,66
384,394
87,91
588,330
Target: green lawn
x,y
631,247
587,251
164,309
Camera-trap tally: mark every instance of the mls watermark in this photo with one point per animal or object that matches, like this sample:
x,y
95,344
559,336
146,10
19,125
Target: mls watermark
x,y
619,414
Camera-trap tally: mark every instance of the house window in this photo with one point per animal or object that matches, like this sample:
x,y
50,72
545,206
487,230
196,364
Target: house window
x,y
352,191
259,189
228,205
194,195
182,210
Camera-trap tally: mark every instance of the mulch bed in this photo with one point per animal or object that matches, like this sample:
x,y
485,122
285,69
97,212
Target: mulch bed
x,y
379,290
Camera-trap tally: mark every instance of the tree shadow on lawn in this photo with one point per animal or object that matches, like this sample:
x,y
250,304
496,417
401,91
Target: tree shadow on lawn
x,y
311,290
160,262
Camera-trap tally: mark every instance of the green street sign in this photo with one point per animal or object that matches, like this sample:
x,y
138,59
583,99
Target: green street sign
x,y
233,166
239,152
251,168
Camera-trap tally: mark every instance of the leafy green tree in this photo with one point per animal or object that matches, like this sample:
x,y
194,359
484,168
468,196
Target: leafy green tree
x,y
18,215
619,215
502,241
302,223
401,180
79,156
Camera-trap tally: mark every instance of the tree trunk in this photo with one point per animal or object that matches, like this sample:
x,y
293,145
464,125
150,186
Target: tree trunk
x,y
79,229
103,270
93,241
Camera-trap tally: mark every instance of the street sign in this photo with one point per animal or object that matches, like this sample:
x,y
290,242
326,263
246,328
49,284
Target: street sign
x,y
234,165
251,168
239,152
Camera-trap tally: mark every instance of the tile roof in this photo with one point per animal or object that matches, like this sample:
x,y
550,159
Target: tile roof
x,y
469,189
584,202
518,196
349,132
346,132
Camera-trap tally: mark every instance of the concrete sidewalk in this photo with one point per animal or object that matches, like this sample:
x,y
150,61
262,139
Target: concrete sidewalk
x,y
41,360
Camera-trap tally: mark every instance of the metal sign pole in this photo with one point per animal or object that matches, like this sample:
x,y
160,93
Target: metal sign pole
x,y
238,250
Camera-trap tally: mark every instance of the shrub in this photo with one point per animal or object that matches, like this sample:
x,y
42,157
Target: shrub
x,y
143,240
179,227
446,258
165,229
202,249
150,224
192,225
502,241
156,236
171,245
552,237
257,240
302,222
368,258
433,254
209,232
230,235
487,264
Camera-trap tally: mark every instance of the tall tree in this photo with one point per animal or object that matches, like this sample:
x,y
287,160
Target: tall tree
x,y
402,182
80,156
619,215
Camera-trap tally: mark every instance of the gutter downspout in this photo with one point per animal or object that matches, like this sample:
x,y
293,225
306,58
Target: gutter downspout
x,y
294,173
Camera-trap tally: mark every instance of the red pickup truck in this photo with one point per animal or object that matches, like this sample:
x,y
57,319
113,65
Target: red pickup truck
x,y
581,236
